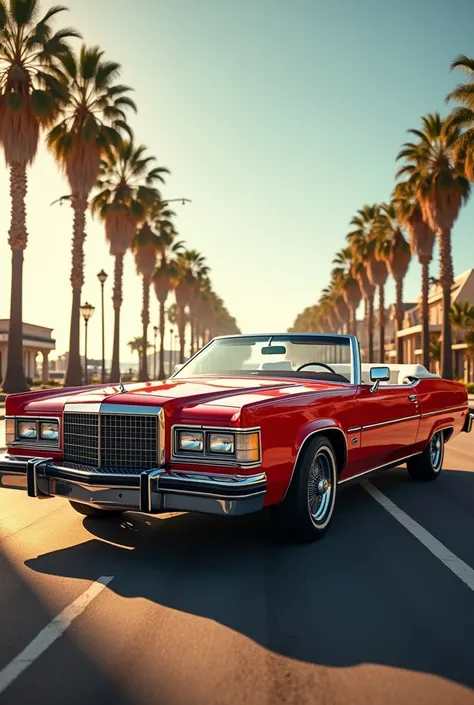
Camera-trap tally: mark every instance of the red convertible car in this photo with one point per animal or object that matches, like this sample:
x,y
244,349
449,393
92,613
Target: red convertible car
x,y
250,421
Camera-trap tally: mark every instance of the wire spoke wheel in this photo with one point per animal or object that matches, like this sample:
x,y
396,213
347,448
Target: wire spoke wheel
x,y
436,450
320,485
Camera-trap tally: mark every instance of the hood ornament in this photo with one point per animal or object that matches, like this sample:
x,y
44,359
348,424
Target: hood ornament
x,y
122,389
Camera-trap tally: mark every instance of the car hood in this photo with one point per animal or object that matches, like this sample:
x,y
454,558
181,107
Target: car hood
x,y
186,396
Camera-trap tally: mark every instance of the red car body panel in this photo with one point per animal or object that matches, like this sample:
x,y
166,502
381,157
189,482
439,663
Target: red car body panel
x,y
369,429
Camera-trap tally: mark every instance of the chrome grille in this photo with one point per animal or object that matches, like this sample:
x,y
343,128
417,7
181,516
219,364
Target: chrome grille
x,y
81,438
128,441
115,443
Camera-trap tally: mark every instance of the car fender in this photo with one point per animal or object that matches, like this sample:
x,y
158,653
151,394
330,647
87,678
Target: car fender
x,y
309,430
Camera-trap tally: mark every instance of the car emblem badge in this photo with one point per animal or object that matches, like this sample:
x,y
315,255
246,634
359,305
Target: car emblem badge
x,y
121,387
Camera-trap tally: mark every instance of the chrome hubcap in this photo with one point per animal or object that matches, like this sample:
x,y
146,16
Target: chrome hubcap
x,y
320,487
323,486
436,448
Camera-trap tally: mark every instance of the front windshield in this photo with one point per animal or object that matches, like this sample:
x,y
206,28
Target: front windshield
x,y
315,357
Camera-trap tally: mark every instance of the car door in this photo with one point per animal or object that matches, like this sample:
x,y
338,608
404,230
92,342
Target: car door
x,y
388,424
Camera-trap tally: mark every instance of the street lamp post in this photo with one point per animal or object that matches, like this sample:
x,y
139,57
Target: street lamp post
x,y
87,311
102,277
155,333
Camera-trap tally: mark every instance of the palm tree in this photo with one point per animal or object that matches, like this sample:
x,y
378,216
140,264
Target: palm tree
x,y
126,190
435,351
138,345
164,279
462,117
91,122
366,266
394,250
190,266
349,285
462,316
421,238
441,188
30,99
145,249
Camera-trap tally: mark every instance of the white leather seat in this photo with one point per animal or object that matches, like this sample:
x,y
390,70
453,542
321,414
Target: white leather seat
x,y
398,373
281,365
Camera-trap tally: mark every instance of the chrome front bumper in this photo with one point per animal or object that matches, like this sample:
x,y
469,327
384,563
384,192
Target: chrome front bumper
x,y
153,491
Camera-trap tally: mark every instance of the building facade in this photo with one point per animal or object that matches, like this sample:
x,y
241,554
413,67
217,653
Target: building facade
x,y
462,290
36,340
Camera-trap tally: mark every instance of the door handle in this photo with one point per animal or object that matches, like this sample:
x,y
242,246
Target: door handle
x,y
413,397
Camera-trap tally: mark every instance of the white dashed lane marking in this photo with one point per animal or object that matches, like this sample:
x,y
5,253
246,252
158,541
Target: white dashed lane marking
x,y
457,566
51,633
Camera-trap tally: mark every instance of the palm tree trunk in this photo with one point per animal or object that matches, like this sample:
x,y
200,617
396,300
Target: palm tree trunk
x,y
162,374
74,367
182,332
193,333
446,280
381,324
143,373
425,320
370,327
15,380
117,301
353,322
399,319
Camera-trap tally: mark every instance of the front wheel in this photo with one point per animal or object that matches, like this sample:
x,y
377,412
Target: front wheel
x,y
306,512
89,511
427,466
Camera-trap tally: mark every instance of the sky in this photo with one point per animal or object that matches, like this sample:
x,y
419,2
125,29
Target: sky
x,y
277,118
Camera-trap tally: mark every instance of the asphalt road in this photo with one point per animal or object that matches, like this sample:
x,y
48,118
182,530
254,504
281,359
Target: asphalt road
x,y
211,611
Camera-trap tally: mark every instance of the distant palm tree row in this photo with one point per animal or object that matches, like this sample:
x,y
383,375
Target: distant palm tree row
x,y
431,187
77,101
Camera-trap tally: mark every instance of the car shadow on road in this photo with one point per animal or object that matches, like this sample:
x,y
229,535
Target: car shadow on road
x,y
367,593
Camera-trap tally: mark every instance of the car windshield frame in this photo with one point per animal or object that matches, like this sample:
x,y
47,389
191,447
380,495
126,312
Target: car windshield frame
x,y
302,338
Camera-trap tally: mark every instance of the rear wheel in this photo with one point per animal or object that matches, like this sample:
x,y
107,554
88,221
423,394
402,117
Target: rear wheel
x,y
427,466
89,511
306,512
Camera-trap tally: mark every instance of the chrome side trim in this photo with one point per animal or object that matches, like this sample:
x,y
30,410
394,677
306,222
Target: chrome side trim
x,y
444,411
355,429
389,423
392,463
310,435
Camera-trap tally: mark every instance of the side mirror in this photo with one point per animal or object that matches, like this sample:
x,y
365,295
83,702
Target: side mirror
x,y
377,375
178,367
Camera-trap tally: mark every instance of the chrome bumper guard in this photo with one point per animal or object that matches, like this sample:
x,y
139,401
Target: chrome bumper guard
x,y
467,428
153,491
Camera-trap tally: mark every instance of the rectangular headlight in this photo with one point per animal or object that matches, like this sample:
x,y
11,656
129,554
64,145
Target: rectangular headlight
x,y
27,430
221,443
9,431
247,447
49,430
192,441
